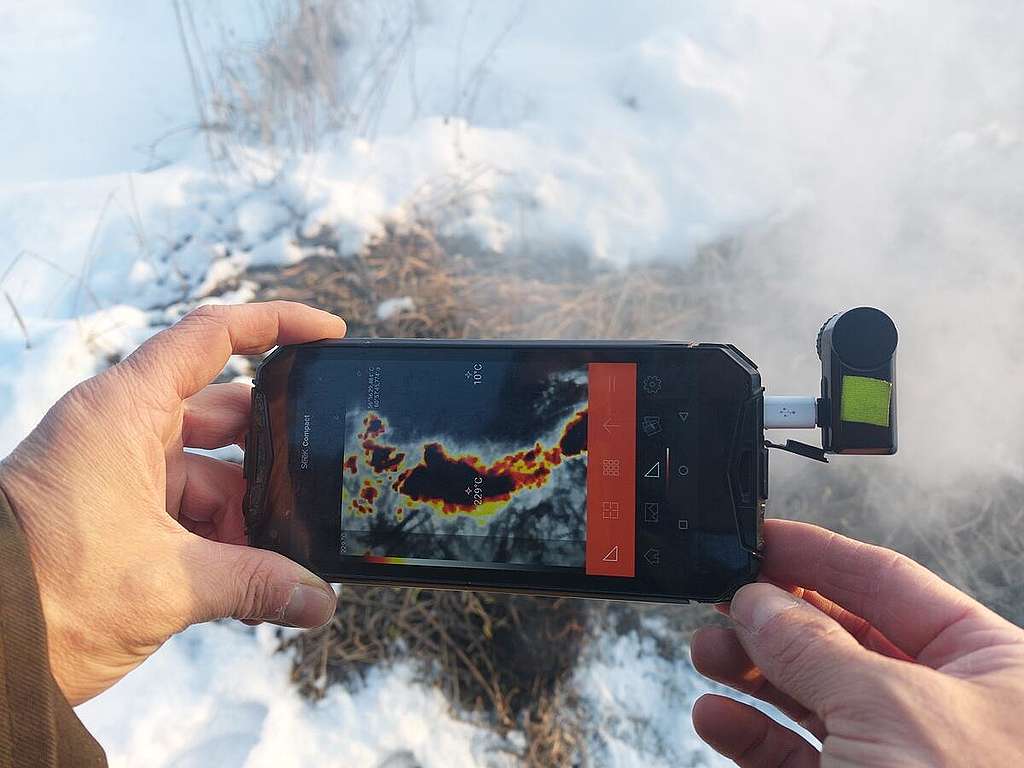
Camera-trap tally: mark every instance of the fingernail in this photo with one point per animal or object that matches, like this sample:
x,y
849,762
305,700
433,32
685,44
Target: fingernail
x,y
308,606
755,605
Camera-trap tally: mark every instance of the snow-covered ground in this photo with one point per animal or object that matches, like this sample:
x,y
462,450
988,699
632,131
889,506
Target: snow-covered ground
x,y
886,141
232,704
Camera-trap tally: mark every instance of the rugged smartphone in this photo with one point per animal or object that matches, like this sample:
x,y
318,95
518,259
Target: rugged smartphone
x,y
633,470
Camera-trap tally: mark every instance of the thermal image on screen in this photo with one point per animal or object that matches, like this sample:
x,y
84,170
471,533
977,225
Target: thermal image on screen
x,y
467,470
444,484
473,463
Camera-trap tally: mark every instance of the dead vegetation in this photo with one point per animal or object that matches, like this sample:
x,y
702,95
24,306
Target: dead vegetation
x,y
503,660
459,289
285,81
285,93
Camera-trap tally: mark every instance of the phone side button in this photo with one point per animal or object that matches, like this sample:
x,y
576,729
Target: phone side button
x,y
764,473
746,518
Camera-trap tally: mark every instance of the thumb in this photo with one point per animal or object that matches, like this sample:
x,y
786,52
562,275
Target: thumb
x,y
799,649
233,581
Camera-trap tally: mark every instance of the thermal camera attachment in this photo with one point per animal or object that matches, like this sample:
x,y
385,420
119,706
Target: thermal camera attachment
x,y
856,410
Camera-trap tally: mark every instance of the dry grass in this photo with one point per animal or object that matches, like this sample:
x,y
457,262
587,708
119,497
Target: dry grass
x,y
461,290
296,85
502,660
286,91
407,262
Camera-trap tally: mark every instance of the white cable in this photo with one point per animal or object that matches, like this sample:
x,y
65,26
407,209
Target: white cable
x,y
790,412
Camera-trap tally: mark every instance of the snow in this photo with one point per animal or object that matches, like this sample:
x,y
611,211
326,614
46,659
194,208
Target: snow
x,y
886,141
391,307
58,355
232,704
640,703
89,89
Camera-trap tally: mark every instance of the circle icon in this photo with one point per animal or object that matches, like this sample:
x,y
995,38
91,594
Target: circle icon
x,y
652,384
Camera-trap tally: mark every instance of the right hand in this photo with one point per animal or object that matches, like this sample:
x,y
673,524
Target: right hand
x,y
879,658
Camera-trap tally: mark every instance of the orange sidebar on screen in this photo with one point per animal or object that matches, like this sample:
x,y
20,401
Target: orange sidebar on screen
x,y
611,469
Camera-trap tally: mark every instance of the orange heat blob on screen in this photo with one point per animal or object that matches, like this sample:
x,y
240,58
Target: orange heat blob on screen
x,y
454,483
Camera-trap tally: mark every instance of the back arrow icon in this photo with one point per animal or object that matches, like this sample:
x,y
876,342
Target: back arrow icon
x,y
609,424
652,556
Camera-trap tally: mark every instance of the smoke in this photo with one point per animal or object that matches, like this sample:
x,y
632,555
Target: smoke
x,y
848,153
901,129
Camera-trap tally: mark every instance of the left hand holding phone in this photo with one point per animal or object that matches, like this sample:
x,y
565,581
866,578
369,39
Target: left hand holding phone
x,y
132,538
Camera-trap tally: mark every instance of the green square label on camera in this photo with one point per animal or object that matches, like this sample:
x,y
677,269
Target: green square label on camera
x,y
865,401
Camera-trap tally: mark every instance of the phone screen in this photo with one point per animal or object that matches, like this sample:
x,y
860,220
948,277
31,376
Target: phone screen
x,y
541,466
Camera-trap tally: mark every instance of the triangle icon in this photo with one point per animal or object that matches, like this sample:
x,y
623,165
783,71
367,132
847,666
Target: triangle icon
x,y
654,471
612,556
684,415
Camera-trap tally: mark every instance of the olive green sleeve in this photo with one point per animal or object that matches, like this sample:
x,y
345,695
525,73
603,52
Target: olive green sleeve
x,y
37,725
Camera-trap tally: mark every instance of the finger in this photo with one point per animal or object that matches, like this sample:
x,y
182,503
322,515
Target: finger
x,y
862,630
801,651
716,653
749,737
904,600
257,585
203,528
217,415
212,499
180,361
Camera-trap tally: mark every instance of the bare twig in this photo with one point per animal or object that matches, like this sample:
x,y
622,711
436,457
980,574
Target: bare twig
x,y
197,90
20,321
71,277
90,255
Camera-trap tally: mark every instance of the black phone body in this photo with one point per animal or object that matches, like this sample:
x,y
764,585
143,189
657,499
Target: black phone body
x,y
629,470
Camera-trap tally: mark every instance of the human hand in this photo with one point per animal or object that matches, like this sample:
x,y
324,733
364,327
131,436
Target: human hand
x,y
131,538
879,658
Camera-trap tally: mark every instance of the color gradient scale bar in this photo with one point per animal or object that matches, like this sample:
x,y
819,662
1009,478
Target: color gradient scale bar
x,y
611,469
386,559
